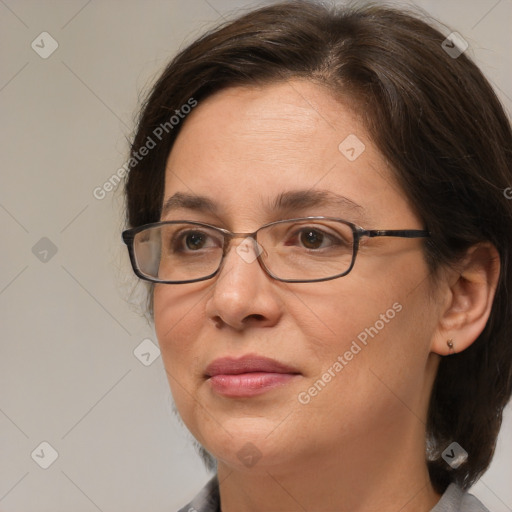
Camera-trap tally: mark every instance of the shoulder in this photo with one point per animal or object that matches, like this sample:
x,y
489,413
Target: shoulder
x,y
455,499
208,499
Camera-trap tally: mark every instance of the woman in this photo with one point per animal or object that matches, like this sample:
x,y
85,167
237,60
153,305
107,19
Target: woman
x,y
318,198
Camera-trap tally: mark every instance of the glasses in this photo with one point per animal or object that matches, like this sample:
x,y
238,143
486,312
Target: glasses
x,y
302,250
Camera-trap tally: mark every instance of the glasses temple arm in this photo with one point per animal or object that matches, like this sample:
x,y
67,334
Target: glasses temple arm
x,y
401,233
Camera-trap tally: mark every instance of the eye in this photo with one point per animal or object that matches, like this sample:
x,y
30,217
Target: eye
x,y
193,241
311,238
315,238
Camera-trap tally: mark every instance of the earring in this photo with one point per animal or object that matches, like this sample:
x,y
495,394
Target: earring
x,y
450,344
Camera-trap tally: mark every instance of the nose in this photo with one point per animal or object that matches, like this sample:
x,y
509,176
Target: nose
x,y
243,293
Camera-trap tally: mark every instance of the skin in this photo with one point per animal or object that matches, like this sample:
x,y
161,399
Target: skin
x,y
358,445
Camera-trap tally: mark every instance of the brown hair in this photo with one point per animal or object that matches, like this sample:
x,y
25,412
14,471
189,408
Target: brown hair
x,y
434,117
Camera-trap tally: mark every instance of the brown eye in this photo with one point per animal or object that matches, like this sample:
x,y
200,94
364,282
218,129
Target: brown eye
x,y
311,239
194,241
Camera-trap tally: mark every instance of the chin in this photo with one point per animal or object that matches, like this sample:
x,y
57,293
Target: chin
x,y
250,446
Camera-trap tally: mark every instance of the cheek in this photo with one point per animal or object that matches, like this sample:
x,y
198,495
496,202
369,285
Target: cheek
x,y
387,315
371,354
339,312
178,320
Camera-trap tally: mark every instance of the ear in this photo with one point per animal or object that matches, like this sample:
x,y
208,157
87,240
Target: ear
x,y
467,299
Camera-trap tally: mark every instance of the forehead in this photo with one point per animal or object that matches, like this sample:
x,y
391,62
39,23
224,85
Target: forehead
x,y
245,146
284,121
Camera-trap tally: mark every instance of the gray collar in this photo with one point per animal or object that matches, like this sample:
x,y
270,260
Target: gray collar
x,y
454,499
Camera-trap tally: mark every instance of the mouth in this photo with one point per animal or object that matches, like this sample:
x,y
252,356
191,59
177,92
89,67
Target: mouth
x,y
247,376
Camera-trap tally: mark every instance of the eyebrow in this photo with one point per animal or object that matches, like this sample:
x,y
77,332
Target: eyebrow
x,y
285,203
296,200
183,200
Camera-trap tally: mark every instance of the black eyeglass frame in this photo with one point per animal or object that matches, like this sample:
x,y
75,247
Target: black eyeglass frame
x,y
128,237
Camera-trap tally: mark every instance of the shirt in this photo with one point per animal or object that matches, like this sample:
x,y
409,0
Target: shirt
x,y
454,499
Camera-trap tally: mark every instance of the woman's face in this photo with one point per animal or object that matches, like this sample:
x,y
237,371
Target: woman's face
x,y
355,351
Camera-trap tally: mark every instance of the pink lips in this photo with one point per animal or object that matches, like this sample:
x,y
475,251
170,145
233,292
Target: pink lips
x,y
247,376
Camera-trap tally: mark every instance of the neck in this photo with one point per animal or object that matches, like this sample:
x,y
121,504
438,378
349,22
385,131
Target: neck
x,y
389,476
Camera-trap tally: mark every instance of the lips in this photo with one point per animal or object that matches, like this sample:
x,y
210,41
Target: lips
x,y
247,376
246,364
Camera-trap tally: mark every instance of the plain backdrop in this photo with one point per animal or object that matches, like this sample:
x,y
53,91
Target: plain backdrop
x,y
69,376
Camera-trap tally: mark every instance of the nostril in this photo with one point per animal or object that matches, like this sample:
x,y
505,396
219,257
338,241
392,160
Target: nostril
x,y
217,320
256,317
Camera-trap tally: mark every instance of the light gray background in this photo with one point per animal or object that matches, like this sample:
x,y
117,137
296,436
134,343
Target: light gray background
x,y
68,374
